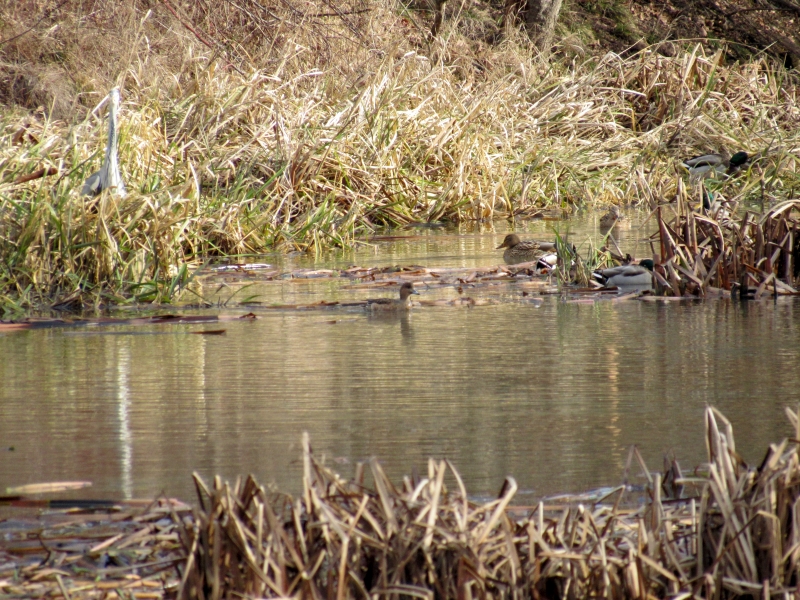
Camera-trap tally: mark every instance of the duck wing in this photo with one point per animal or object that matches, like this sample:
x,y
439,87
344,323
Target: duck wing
x,y
380,301
548,261
529,246
622,270
95,183
623,275
706,160
634,271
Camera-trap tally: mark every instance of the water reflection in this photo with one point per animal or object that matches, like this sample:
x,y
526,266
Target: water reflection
x,y
552,393
124,431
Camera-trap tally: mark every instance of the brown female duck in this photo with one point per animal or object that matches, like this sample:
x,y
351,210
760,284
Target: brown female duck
x,y
387,304
518,251
610,219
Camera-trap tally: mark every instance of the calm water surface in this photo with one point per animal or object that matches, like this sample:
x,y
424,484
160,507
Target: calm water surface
x,y
553,394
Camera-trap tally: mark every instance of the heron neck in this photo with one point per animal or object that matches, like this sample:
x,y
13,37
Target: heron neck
x,y
111,146
111,165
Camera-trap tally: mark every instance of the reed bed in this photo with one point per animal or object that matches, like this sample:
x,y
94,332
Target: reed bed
x,y
750,254
291,130
726,531
730,533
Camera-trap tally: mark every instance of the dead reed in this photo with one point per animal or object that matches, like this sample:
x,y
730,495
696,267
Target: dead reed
x,y
727,531
295,129
736,536
705,251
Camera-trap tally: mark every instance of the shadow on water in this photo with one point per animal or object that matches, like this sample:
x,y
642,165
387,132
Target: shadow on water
x,y
551,392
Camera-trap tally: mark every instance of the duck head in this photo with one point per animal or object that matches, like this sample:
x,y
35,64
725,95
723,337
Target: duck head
x,y
647,263
512,239
406,290
738,159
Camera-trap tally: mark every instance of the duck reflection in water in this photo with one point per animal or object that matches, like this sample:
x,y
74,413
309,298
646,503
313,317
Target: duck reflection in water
x,y
386,311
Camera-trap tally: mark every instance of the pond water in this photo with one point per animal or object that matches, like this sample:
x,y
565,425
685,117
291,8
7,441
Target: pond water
x,y
553,393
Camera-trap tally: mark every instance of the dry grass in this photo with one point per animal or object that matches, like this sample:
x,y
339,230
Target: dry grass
x,y
290,128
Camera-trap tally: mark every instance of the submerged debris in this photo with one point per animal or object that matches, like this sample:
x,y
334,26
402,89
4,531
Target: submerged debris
x,y
118,551
96,323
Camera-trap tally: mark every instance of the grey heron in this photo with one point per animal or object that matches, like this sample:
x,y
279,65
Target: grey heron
x,y
108,176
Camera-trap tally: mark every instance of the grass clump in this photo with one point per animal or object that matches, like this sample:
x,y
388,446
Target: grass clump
x,y
244,132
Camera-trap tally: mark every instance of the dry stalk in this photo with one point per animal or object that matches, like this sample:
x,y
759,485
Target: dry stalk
x,y
423,540
706,251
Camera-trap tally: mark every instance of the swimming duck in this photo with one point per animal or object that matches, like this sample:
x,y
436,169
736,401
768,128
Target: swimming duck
x,y
608,220
403,303
518,251
628,276
709,165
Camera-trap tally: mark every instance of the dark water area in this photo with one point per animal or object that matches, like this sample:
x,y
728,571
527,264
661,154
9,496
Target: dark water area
x,y
552,393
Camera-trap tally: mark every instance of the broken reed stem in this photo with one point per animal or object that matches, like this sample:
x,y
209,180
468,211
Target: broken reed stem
x,y
760,251
424,540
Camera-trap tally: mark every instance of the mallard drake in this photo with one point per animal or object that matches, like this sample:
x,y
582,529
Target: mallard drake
x,y
609,219
628,276
709,165
518,251
547,262
403,303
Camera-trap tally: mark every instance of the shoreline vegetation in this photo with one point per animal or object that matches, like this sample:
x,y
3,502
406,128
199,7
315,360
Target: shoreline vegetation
x,y
728,530
312,130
